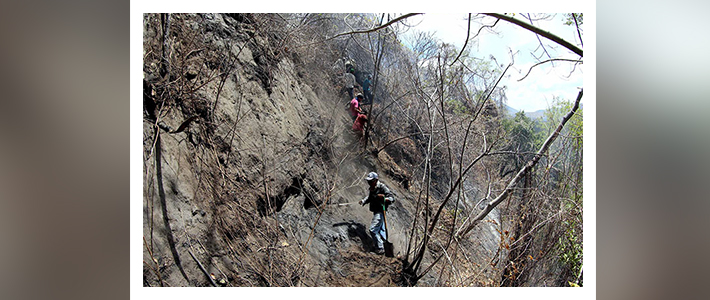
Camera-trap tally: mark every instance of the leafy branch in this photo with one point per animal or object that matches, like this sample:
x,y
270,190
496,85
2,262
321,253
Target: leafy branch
x,y
503,195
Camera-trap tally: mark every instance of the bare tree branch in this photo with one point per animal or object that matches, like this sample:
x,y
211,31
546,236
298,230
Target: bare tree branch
x,y
546,61
376,28
537,36
468,32
574,17
539,31
452,187
503,195
395,140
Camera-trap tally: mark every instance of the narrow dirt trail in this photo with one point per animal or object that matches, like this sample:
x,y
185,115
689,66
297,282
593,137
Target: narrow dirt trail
x,y
353,262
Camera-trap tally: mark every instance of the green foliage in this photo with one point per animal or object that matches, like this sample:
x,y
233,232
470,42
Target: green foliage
x,y
457,107
524,134
568,152
574,126
570,243
570,247
569,19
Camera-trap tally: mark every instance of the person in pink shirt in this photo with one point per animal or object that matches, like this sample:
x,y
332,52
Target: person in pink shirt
x,y
355,106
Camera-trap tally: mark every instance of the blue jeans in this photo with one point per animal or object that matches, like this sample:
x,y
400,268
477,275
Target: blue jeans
x,y
377,230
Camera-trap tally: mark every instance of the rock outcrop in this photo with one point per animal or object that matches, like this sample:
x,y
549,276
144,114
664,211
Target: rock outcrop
x,y
248,152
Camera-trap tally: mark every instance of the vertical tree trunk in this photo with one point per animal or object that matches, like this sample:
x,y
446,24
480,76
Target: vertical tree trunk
x,y
517,269
164,61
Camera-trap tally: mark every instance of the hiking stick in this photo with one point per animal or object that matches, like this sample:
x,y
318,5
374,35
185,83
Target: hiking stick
x,y
343,204
387,235
389,248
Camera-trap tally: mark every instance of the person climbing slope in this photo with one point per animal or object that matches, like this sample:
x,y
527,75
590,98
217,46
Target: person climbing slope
x,y
349,82
359,126
354,107
359,123
366,89
379,197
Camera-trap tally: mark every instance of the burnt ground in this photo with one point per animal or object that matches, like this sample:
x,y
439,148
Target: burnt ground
x,y
243,171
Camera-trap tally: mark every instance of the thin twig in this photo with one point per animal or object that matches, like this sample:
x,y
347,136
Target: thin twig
x,y
199,264
574,17
154,261
468,32
376,28
549,60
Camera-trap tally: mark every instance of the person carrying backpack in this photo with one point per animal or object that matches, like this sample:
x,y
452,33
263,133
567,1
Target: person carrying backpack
x,y
379,197
349,82
366,88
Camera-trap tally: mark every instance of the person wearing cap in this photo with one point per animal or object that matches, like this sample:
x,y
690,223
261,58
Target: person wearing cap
x,y
355,106
349,79
379,197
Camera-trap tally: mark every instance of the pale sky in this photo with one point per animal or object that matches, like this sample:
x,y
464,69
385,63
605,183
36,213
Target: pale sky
x,y
537,90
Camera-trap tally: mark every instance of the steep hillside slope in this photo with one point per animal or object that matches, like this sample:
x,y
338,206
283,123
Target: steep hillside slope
x,y
248,152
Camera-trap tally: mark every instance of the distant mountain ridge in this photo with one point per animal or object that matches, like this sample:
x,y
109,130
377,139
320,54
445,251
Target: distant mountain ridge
x,y
538,114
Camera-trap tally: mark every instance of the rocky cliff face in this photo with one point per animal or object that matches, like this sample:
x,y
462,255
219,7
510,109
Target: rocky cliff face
x,y
248,152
